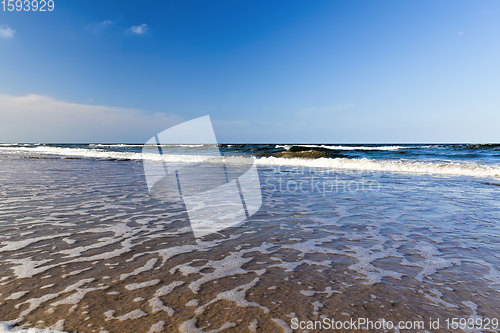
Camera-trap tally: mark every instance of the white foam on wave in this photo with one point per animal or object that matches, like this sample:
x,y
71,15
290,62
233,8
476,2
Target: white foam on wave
x,y
339,147
127,145
363,164
397,166
76,152
118,145
107,154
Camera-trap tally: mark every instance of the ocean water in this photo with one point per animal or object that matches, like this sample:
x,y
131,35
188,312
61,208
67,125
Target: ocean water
x,y
394,232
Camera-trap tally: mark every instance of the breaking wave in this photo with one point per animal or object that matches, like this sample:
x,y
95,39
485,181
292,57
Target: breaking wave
x,y
359,164
129,145
398,166
383,148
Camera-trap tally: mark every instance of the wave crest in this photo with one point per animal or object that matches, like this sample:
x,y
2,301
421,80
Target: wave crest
x,y
359,164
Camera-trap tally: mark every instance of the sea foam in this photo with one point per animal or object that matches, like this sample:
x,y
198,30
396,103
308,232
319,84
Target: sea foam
x,y
4,328
332,147
358,164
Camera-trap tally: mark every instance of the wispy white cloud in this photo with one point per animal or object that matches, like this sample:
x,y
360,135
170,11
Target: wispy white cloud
x,y
460,34
139,29
106,23
35,118
6,31
99,26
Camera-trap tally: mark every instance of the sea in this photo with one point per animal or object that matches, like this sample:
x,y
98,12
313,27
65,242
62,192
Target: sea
x,y
331,237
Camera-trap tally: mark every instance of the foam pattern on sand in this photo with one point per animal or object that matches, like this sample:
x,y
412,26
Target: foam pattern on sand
x,y
413,245
6,328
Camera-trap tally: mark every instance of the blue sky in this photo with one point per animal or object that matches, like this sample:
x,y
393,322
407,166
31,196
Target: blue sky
x,y
265,71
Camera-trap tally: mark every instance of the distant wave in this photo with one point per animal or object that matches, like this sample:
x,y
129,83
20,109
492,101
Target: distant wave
x,y
78,152
361,164
104,154
19,144
491,147
128,145
118,145
388,148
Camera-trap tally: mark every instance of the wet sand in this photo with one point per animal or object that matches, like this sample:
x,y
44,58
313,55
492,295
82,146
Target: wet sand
x,y
85,248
